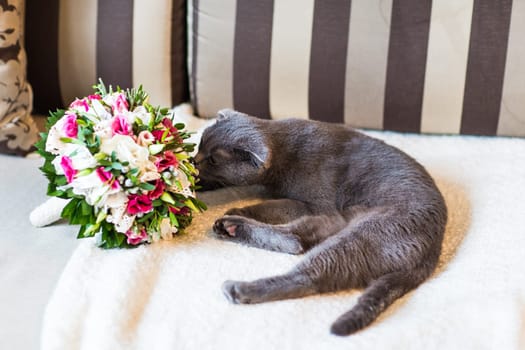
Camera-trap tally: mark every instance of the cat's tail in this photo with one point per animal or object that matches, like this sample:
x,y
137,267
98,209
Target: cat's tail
x,y
379,294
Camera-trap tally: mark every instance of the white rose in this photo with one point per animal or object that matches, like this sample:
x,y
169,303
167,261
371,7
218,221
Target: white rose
x,y
80,156
127,150
103,129
100,111
90,186
142,113
116,200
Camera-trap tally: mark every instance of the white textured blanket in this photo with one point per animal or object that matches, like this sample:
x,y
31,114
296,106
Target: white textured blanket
x,y
168,296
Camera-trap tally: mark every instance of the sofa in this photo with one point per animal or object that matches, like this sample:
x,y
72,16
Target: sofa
x,y
442,81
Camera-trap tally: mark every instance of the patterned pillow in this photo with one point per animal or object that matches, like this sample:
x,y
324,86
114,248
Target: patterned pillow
x,y
18,131
445,66
70,44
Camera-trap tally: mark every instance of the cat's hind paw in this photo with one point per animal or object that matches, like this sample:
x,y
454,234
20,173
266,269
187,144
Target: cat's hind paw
x,y
232,290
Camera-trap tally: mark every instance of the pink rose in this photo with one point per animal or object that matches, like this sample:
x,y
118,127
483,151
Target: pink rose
x,y
135,238
80,103
158,191
139,204
168,159
121,126
120,104
107,178
67,166
71,126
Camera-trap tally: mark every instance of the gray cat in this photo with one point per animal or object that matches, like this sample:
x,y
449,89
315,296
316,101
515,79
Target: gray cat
x,y
365,214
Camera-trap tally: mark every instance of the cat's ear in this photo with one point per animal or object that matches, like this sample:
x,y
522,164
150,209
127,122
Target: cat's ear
x,y
257,152
225,114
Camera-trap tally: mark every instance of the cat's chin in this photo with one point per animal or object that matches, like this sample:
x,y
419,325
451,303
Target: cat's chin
x,y
206,185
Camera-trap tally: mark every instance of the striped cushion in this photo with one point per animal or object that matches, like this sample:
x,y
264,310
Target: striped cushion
x,y
71,43
444,66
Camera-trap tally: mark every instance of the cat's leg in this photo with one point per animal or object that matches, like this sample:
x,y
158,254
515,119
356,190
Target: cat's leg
x,y
335,262
273,211
294,237
288,286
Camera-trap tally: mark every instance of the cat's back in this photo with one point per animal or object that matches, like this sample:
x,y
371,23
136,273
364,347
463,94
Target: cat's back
x,y
355,168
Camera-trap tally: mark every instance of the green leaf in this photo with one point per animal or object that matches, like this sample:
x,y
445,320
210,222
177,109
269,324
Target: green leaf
x,y
192,206
70,140
145,217
85,172
69,209
147,186
88,230
166,197
100,156
101,216
116,166
200,204
173,220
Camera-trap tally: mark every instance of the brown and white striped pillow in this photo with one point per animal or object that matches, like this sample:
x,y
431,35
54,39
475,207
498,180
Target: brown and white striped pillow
x,y
71,43
446,66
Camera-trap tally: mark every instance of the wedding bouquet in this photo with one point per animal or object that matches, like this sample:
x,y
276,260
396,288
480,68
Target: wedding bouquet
x,y
123,164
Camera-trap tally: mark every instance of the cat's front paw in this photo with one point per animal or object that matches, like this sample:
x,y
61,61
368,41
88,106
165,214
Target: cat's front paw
x,y
232,227
223,227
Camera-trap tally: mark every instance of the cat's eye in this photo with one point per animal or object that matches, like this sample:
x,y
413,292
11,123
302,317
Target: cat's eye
x,y
212,160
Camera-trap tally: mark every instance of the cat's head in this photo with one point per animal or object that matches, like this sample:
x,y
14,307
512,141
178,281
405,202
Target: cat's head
x,y
233,151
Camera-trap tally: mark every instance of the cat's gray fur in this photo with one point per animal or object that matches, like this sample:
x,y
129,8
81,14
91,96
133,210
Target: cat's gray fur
x,y
365,214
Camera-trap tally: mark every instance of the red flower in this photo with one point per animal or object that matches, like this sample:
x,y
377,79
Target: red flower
x,y
179,211
169,132
173,130
95,97
158,134
139,204
169,125
158,191
168,159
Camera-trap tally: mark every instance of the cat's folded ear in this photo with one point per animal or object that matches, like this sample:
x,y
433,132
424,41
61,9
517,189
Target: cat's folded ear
x,y
255,149
224,114
259,155
227,113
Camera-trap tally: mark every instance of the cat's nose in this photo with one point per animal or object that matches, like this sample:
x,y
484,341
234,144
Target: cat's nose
x,y
198,158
